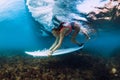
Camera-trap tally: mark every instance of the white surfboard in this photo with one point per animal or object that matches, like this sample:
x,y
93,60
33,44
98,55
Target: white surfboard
x,y
57,52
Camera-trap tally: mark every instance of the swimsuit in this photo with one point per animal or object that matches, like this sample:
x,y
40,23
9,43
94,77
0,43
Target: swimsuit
x,y
71,27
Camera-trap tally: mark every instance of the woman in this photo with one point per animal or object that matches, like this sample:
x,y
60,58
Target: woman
x,y
63,30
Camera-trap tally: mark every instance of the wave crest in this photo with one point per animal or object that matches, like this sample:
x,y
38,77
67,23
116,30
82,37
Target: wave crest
x,y
42,11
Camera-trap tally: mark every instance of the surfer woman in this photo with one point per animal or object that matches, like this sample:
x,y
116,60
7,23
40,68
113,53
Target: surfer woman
x,y
64,29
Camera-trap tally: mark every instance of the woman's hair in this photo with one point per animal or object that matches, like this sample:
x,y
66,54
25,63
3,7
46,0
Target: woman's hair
x,y
59,27
55,29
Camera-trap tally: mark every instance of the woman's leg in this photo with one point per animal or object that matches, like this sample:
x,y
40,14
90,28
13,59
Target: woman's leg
x,y
75,33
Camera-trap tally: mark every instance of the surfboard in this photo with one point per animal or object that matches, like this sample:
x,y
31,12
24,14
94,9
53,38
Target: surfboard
x,y
57,52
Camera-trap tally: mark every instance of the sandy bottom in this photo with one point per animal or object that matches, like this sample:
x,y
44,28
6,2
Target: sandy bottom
x,y
80,66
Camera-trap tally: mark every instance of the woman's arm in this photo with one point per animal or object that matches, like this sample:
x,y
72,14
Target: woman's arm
x,y
62,35
54,44
59,43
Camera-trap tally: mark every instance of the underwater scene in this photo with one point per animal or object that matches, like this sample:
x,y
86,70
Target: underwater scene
x,y
27,35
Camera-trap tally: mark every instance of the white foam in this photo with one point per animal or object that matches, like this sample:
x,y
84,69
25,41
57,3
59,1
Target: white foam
x,y
89,5
43,12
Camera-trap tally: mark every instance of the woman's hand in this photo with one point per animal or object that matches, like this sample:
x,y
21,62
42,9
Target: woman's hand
x,y
50,53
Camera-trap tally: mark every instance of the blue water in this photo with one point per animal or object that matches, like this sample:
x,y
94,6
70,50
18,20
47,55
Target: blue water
x,y
106,43
19,30
16,26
